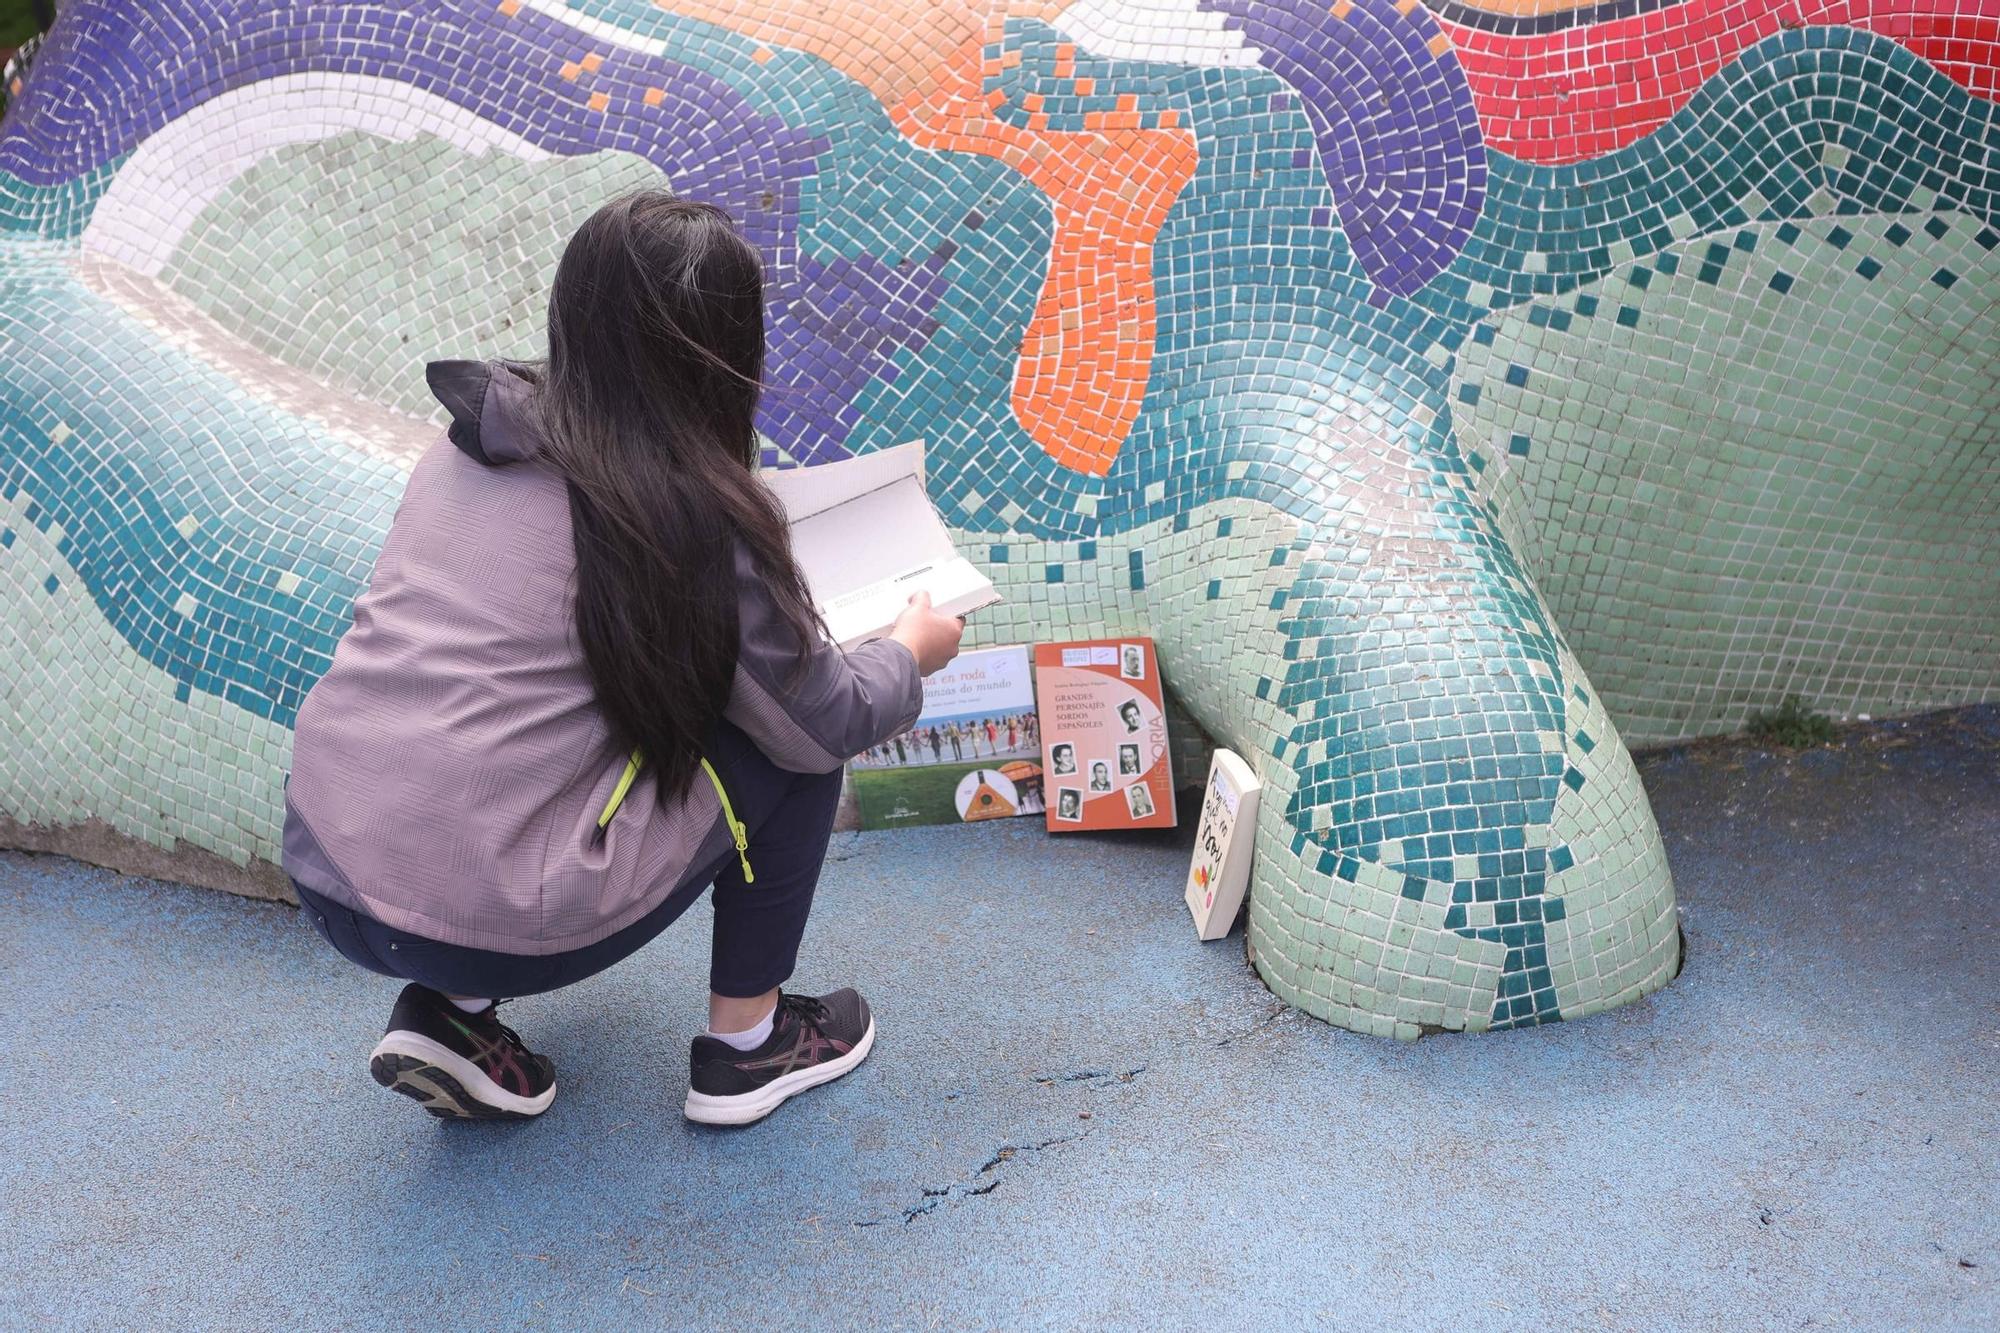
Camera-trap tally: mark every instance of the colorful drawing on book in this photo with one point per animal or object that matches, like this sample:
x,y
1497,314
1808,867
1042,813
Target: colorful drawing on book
x,y
953,763
1386,365
985,794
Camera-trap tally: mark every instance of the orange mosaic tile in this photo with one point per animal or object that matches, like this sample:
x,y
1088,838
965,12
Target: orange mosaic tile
x,y
1380,317
1087,353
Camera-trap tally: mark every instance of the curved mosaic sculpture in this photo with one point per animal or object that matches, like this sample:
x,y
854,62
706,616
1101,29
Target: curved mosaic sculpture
x,y
1350,349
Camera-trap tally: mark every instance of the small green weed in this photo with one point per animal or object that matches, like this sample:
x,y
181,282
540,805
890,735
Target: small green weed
x,y
22,19
1793,725
21,23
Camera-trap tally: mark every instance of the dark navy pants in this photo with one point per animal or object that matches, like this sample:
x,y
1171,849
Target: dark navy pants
x,y
757,926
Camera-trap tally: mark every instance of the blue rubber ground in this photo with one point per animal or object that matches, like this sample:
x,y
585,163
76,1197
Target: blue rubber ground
x,y
1076,1116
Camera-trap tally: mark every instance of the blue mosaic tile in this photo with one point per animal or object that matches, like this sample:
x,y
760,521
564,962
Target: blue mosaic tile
x,y
1359,426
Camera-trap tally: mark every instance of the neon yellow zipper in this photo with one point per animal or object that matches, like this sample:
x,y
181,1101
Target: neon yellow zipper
x,y
737,831
618,792
735,826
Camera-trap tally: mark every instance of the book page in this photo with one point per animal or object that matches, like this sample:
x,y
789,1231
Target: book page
x,y
866,537
873,537
805,491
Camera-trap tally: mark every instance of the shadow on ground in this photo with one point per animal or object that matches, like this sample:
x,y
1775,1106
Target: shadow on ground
x,y
1077,1116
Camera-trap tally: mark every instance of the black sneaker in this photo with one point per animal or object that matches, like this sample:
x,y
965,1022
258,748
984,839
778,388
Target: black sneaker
x,y
460,1065
812,1041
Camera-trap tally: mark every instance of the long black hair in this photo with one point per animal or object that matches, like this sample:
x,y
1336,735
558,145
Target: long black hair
x,y
656,361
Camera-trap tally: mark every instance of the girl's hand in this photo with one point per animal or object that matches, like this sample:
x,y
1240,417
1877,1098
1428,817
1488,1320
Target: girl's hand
x,y
931,637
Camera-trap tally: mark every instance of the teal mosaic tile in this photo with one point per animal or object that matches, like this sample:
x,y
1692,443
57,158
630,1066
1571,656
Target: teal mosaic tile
x,y
1384,389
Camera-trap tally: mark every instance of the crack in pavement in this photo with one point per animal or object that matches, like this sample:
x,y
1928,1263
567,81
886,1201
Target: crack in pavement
x,y
1270,1019
1097,1078
977,1185
986,1179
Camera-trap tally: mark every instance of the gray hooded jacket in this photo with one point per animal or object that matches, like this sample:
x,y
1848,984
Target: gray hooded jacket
x,y
449,768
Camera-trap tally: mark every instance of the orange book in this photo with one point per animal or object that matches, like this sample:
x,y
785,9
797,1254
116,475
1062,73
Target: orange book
x,y
1104,736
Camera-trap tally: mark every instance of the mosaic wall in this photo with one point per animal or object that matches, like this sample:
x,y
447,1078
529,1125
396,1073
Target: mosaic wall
x,y
1387,363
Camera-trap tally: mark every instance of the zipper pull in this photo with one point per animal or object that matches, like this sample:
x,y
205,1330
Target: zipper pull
x,y
737,828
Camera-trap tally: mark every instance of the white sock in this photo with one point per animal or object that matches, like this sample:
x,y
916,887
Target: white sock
x,y
470,1006
750,1039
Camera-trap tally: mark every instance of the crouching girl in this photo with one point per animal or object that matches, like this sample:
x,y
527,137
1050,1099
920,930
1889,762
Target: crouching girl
x,y
586,682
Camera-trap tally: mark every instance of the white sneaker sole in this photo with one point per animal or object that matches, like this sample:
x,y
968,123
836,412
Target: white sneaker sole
x,y
447,1084
743,1108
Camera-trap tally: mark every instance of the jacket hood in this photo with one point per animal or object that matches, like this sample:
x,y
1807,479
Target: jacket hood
x,y
490,405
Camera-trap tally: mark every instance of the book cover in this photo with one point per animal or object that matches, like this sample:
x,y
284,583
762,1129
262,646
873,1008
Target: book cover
x,y
973,754
1222,847
1104,735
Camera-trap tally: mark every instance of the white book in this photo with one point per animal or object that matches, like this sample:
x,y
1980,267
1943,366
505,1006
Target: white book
x,y
1222,847
867,537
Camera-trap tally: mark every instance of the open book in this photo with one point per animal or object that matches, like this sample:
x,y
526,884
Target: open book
x,y
866,537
